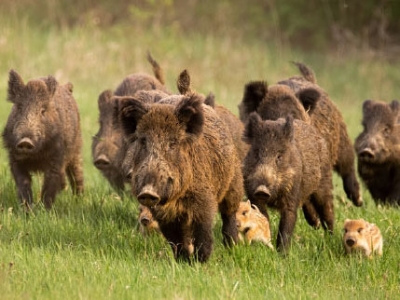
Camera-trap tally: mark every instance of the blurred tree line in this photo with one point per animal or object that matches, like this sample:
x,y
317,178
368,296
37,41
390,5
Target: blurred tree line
x,y
320,24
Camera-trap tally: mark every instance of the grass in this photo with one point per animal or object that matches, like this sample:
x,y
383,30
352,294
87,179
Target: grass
x,y
89,247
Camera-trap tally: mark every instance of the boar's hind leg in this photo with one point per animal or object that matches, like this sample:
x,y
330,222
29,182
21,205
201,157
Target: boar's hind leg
x,y
174,234
311,215
23,181
324,205
75,175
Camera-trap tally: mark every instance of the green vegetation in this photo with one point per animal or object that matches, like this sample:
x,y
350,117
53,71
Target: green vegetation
x,y
89,247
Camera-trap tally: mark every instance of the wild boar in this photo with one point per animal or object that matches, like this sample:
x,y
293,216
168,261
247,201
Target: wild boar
x,y
235,127
147,224
184,168
287,168
108,146
296,96
43,134
378,151
362,236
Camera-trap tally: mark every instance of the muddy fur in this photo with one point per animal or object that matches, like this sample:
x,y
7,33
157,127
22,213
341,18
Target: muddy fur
x,y
43,135
298,96
378,151
184,168
287,168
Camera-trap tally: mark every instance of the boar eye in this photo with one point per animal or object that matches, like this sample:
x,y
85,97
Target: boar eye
x,y
278,157
42,111
386,131
359,230
345,230
142,141
244,213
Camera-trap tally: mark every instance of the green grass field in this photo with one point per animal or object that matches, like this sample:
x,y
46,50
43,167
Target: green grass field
x,y
89,247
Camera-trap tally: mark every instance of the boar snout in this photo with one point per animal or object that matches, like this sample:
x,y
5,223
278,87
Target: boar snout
x,y
350,242
25,145
262,192
145,221
102,162
366,154
148,196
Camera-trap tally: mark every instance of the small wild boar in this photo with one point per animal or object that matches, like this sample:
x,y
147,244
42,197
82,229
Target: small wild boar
x,y
147,224
362,236
287,168
298,96
43,134
252,224
108,146
378,151
184,168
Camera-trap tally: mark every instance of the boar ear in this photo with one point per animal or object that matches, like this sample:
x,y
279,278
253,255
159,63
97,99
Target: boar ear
x,y
52,84
309,98
190,112
183,82
252,127
130,111
288,127
367,105
210,100
15,86
395,106
254,93
104,98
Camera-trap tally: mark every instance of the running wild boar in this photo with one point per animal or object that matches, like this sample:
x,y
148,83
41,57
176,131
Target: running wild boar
x,y
287,168
43,134
108,146
301,97
378,151
184,168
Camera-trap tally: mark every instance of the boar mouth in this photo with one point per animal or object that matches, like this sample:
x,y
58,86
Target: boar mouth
x,y
25,146
102,162
366,154
148,196
262,192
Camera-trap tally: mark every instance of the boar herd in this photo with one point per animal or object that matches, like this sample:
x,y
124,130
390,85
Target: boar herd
x,y
186,158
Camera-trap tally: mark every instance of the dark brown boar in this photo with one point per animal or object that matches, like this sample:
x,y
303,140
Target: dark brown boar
x,y
287,168
233,123
184,168
378,151
297,96
108,146
43,134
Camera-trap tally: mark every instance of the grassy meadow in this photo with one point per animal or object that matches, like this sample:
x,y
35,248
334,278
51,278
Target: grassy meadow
x,y
89,247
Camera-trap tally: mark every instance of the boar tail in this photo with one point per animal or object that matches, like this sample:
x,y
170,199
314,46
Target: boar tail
x,y
306,72
158,72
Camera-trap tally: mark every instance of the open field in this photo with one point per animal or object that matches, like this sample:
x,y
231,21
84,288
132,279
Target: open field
x,y
89,247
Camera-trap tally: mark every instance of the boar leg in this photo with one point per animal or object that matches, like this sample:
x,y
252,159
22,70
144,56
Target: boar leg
x,y
54,181
345,168
75,175
286,226
174,234
203,239
324,205
311,215
23,180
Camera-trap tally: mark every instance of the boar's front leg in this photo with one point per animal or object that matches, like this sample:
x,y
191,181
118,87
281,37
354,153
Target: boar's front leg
x,y
54,182
174,234
23,180
286,225
203,239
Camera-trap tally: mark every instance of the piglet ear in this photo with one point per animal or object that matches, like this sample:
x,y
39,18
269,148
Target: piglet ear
x,y
15,86
395,106
189,111
183,82
252,128
129,112
367,106
288,127
309,98
52,84
254,93
210,100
